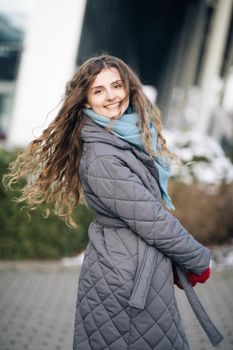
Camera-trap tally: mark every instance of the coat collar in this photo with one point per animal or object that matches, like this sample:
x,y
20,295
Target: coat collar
x,y
92,133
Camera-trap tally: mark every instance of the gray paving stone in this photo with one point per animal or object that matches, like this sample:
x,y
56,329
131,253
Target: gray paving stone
x,y
37,309
37,306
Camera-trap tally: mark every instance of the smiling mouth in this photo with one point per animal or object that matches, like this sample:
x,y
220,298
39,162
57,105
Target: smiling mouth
x,y
113,105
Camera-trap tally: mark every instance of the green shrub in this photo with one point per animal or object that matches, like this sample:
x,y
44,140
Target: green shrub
x,y
38,238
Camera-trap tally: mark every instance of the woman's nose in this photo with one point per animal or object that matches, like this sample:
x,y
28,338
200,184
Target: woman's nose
x,y
110,94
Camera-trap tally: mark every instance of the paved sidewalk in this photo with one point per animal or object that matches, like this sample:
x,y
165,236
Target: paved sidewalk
x,y
37,305
216,296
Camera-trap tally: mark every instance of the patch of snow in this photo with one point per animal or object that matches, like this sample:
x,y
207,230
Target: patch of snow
x,y
222,256
223,263
74,261
202,158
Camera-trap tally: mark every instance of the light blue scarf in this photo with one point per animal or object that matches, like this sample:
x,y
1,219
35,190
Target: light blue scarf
x,y
125,128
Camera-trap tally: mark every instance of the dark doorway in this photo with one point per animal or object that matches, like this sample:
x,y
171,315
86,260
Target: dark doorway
x,y
145,34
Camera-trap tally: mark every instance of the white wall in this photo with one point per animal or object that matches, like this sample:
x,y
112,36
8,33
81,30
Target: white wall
x,y
47,62
213,60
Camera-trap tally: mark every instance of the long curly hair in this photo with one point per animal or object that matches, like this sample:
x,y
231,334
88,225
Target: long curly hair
x,y
50,163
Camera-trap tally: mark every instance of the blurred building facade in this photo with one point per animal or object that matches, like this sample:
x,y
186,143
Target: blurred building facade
x,y
183,49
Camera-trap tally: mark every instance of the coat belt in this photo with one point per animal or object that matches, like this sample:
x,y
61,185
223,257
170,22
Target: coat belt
x,y
210,329
143,280
110,221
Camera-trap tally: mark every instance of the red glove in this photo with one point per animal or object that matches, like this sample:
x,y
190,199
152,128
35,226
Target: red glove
x,y
192,278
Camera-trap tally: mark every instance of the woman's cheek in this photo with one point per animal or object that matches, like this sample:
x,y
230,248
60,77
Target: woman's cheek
x,y
96,101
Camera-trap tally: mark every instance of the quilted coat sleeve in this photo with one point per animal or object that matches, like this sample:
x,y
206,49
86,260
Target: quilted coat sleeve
x,y
123,192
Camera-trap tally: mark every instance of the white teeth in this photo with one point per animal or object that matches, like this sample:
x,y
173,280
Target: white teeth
x,y
112,106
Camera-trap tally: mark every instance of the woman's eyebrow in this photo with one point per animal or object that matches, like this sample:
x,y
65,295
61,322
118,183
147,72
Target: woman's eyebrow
x,y
101,86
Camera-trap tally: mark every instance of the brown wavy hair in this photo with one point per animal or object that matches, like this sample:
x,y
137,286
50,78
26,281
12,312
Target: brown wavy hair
x,y
50,163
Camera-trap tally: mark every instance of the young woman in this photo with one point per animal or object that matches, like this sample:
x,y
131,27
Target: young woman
x,y
106,141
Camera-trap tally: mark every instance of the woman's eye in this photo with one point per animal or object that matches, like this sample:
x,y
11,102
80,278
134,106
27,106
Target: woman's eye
x,y
117,86
97,92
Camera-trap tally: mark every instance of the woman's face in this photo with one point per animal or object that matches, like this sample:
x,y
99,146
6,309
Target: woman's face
x,y
107,95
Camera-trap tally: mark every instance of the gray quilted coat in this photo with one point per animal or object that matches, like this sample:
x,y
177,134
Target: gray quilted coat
x,y
126,289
